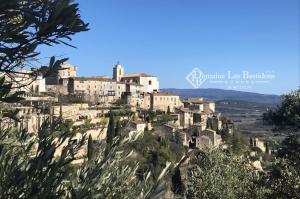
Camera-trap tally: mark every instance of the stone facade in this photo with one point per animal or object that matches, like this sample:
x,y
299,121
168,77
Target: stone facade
x,y
24,81
150,83
68,70
96,89
139,89
155,101
208,139
163,101
118,72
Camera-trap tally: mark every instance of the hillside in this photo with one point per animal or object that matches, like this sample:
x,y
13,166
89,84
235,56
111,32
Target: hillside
x,y
220,94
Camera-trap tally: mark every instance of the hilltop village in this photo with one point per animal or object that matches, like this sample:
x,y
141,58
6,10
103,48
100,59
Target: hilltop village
x,y
78,99
162,126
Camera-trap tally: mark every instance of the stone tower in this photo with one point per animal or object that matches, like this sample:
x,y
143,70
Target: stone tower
x,y
118,72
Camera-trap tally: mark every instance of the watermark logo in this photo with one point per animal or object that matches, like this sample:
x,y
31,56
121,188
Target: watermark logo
x,y
241,80
196,78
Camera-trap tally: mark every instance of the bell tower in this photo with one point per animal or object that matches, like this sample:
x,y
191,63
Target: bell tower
x,y
118,72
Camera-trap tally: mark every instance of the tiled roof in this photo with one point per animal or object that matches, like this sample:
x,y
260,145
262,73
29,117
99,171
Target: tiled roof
x,y
164,94
93,79
132,75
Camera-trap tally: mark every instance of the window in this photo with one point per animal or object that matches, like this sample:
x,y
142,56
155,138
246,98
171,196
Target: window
x,y
150,82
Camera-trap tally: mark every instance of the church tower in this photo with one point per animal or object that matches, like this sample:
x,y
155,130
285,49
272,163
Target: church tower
x,y
118,72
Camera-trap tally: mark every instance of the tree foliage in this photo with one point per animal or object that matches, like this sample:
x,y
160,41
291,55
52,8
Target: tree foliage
x,y
219,174
283,181
288,113
42,165
25,25
289,149
30,166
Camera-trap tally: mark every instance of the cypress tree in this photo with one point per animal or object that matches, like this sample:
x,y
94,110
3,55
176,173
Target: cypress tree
x,y
110,130
91,148
267,148
169,110
237,144
251,141
118,129
177,184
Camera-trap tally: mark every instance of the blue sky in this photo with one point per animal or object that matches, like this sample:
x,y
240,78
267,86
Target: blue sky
x,y
168,38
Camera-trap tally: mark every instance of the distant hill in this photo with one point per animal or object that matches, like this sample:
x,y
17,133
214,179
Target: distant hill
x,y
220,94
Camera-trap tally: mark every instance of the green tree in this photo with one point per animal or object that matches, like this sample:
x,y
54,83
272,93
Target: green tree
x,y
251,142
26,25
267,148
225,131
289,149
90,149
118,128
39,166
177,184
283,181
29,164
110,131
237,143
218,174
169,110
288,113
166,118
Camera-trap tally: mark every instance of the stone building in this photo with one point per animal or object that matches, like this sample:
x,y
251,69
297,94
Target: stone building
x,y
215,122
185,117
209,107
118,72
155,101
138,126
196,112
199,104
149,82
259,144
58,83
30,119
96,89
195,103
68,70
138,89
163,101
208,139
25,81
65,71
79,111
